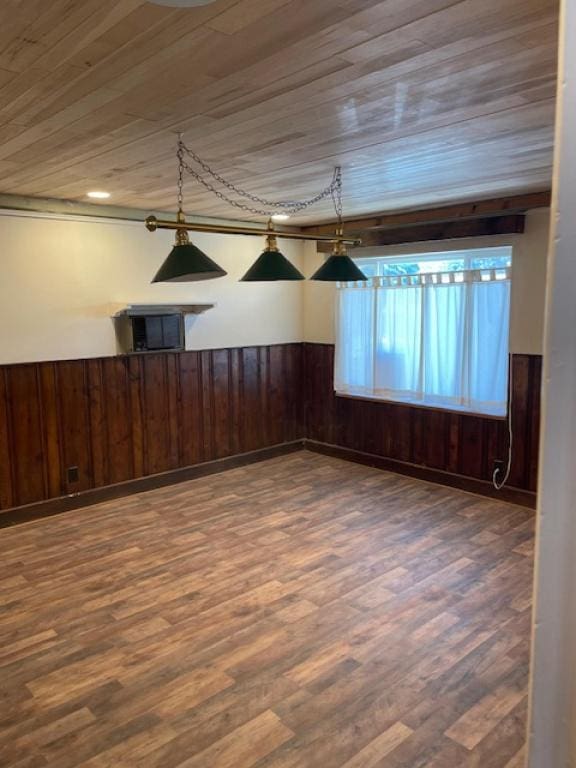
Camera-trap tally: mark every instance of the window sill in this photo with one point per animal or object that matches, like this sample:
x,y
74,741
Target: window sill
x,y
422,406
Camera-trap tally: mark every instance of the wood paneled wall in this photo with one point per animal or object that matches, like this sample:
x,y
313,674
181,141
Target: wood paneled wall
x,y
121,418
452,442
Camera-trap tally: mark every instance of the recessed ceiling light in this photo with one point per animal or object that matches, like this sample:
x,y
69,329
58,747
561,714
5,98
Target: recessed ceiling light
x,y
182,3
280,216
96,195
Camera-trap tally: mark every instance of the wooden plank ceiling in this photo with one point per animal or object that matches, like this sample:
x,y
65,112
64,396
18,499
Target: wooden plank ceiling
x,y
421,101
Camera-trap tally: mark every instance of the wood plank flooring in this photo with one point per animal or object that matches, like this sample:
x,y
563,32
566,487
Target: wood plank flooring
x,y
304,612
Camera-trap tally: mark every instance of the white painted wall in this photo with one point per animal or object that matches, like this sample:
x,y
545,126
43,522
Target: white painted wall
x,y
528,283
553,691
62,279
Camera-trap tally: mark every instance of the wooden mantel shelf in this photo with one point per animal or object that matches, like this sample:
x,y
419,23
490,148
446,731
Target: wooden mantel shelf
x,y
139,310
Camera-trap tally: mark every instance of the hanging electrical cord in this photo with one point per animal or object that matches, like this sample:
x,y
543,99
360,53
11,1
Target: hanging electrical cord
x,y
287,206
495,483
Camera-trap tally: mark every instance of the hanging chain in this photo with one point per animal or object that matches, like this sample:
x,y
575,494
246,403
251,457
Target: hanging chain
x,y
211,188
333,190
337,195
180,155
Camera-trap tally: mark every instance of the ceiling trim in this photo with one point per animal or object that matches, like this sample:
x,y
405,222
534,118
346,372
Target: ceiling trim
x,y
69,209
480,209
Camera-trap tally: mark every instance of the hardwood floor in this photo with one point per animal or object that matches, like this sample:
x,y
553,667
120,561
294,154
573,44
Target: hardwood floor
x,y
303,612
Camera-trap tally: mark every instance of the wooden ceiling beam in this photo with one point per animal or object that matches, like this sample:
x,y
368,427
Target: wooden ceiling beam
x,y
461,211
512,224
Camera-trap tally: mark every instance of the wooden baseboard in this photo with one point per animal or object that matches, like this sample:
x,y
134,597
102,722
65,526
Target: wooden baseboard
x,y
438,476
16,515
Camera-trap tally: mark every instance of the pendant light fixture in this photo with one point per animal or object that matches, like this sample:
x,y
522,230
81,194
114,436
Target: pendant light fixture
x,y
185,262
271,264
339,267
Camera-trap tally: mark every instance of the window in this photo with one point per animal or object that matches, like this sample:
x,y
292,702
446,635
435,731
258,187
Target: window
x,y
429,329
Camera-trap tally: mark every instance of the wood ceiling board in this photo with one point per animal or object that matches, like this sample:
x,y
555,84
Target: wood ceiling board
x,y
448,119
420,101
212,89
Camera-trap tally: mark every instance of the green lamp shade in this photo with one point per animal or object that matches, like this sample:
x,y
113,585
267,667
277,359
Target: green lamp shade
x,y
186,264
271,265
338,268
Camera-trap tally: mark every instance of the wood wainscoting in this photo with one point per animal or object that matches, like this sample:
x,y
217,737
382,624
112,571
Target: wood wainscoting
x,y
458,445
78,432
72,426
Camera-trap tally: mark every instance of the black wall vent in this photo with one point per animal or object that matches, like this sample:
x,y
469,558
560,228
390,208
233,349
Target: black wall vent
x,y
157,332
154,327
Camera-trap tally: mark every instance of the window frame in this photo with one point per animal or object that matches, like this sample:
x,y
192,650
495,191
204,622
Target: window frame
x,y
434,255
408,254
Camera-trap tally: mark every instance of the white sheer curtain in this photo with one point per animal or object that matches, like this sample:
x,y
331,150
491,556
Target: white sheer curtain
x,y
436,339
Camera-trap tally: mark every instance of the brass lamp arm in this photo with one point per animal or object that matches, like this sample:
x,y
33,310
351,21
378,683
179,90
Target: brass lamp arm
x,y
152,224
